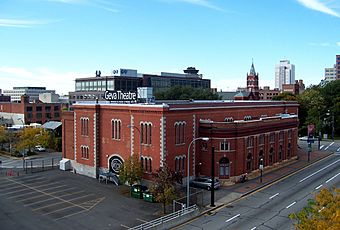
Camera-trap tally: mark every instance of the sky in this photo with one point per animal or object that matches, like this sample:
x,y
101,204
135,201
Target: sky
x,y
50,43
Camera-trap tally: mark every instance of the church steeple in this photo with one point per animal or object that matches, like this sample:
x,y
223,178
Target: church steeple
x,y
253,81
252,68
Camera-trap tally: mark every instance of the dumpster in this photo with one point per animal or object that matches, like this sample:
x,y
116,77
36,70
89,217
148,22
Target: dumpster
x,y
138,190
148,197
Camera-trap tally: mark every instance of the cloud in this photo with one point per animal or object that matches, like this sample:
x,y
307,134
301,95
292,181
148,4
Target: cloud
x,y
203,3
319,5
338,43
101,4
62,82
15,71
5,22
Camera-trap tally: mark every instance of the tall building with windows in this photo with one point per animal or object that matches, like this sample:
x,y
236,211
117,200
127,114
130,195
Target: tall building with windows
x,y
253,82
337,67
284,73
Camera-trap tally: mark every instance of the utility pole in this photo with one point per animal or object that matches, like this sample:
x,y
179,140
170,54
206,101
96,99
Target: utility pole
x,y
212,201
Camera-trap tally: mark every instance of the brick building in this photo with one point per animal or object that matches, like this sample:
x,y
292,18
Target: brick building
x,y
30,112
100,136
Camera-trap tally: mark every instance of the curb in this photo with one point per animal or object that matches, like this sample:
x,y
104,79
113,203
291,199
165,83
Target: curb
x,y
256,189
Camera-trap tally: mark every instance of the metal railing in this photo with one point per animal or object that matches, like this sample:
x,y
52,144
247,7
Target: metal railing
x,y
164,219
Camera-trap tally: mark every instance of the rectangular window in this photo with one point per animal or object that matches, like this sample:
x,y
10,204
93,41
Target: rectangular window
x,y
250,141
29,109
261,139
116,126
146,133
47,108
272,138
38,115
85,152
290,134
224,146
56,115
38,108
179,133
56,108
84,126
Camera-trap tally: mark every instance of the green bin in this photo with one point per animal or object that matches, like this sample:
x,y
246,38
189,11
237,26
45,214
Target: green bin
x,y
148,197
136,192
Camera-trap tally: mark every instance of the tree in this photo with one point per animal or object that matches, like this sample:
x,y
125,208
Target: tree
x,y
321,213
285,97
163,188
3,136
186,93
131,170
312,106
30,137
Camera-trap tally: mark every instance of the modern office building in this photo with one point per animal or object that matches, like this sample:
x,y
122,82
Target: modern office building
x,y
100,136
284,73
32,92
92,88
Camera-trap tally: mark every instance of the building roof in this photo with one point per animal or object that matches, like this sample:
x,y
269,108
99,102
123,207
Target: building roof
x,y
252,69
51,125
242,94
227,95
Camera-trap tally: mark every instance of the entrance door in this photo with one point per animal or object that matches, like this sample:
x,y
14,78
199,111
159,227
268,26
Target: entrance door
x,y
224,167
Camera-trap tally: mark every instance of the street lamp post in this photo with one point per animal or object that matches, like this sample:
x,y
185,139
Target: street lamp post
x,y
23,153
188,166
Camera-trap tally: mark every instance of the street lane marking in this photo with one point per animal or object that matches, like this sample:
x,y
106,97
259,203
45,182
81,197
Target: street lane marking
x,y
273,196
253,228
318,187
291,204
322,146
51,198
233,218
124,226
319,171
332,178
144,221
72,214
48,194
62,202
338,150
329,145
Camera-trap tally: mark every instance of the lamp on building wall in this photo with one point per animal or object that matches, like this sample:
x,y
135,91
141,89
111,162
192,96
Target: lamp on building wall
x,y
188,166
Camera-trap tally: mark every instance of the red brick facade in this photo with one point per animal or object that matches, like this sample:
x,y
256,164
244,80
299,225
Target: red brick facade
x,y
98,136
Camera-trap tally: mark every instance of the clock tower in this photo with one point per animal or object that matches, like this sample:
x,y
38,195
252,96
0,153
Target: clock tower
x,y
253,82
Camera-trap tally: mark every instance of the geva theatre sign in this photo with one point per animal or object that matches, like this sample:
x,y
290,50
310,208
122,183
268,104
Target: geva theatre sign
x,y
118,95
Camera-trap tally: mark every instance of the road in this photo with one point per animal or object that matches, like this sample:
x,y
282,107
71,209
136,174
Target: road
x,y
269,207
37,160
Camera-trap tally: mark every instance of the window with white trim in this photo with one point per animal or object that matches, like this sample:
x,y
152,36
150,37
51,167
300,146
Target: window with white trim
x,y
180,132
146,163
229,119
250,142
84,123
85,152
224,146
146,130
272,137
116,126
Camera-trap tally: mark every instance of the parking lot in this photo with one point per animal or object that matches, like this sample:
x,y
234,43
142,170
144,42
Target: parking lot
x,y
57,199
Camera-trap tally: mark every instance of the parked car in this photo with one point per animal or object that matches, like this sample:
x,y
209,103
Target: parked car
x,y
39,148
204,182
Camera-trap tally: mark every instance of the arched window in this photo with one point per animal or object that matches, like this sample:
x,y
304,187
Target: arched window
x,y
224,166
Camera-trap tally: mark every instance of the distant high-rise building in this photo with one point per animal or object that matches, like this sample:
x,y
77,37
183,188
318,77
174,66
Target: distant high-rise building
x,y
330,75
284,73
337,67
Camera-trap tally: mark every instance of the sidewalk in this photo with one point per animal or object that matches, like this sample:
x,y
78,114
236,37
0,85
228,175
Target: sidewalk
x,y
237,190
